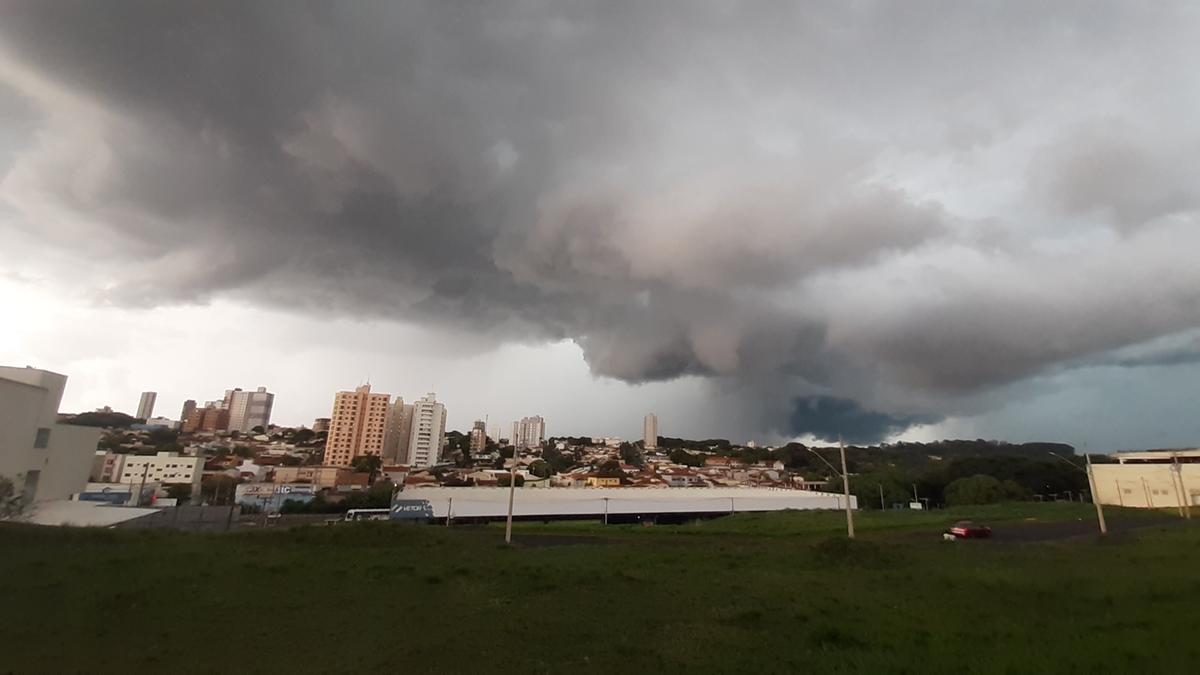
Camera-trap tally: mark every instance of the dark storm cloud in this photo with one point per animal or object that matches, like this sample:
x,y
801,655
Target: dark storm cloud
x,y
880,202
828,419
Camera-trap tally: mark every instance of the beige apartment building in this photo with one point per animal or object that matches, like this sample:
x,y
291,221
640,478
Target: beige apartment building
x,y
357,426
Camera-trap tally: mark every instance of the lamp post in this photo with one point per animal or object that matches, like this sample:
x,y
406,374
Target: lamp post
x,y
1092,485
512,491
845,485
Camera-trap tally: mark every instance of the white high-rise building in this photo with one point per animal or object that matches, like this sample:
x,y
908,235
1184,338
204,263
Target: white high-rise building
x,y
249,409
428,432
529,432
650,432
146,405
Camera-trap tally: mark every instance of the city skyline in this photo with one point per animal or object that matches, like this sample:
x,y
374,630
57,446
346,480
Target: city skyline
x,y
967,241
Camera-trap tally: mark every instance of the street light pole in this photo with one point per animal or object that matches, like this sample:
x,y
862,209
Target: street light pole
x,y
512,491
846,491
845,484
1092,485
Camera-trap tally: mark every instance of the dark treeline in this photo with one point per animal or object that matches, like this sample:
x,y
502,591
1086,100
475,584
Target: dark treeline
x,y
943,472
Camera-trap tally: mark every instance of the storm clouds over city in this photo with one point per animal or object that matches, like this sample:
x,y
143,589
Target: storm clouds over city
x,y
760,220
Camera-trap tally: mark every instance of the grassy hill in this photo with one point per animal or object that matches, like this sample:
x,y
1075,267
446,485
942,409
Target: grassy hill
x,y
751,593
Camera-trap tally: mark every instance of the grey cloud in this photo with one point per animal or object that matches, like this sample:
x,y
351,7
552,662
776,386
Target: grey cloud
x,y
696,189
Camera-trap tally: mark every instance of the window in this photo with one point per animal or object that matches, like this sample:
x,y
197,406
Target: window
x,y
42,439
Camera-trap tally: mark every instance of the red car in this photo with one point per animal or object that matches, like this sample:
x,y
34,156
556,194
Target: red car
x,y
965,529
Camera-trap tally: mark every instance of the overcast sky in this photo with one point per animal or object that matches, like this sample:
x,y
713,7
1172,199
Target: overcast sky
x,y
759,220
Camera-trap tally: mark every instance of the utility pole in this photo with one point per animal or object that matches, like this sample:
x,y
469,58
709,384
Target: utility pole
x,y
512,491
845,484
846,491
1095,497
1185,502
1092,485
882,505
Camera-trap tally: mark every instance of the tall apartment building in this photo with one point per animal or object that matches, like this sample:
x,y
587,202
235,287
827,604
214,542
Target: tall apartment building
x,y
45,460
428,432
249,409
357,426
189,407
146,405
399,433
529,432
478,437
650,432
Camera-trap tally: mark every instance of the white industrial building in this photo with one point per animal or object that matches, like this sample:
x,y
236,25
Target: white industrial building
x,y
44,460
487,502
1150,479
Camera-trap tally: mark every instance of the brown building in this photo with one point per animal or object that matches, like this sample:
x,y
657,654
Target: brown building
x,y
321,425
357,426
209,418
321,476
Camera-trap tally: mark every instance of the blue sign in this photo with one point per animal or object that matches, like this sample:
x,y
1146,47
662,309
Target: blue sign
x,y
412,509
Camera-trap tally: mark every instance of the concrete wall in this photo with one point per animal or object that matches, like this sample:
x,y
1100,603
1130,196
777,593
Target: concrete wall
x,y
1147,485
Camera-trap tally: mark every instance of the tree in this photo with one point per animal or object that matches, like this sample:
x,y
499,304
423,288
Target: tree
x,y
301,436
180,491
161,436
218,490
258,429
243,451
681,456
610,468
631,455
981,489
103,419
291,460
12,503
504,478
540,468
369,464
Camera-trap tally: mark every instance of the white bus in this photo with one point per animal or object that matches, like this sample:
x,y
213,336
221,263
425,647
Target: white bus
x,y
368,514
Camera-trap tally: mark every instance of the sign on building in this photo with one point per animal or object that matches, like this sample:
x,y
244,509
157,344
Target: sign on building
x,y
412,509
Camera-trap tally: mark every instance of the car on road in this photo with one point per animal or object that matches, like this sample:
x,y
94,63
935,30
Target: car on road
x,y
965,529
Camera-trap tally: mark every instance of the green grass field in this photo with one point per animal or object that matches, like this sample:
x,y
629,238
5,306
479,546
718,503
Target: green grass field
x,y
751,593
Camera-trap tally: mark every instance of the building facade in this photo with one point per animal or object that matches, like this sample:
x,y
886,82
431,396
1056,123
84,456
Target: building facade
x,y
428,432
189,407
146,405
478,437
399,432
650,432
44,460
529,432
357,426
321,425
1153,479
210,418
166,468
249,409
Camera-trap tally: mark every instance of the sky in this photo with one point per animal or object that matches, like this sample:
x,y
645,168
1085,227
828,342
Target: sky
x,y
761,221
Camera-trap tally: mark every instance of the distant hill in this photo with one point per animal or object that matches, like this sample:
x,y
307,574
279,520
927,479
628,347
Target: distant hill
x,y
103,419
